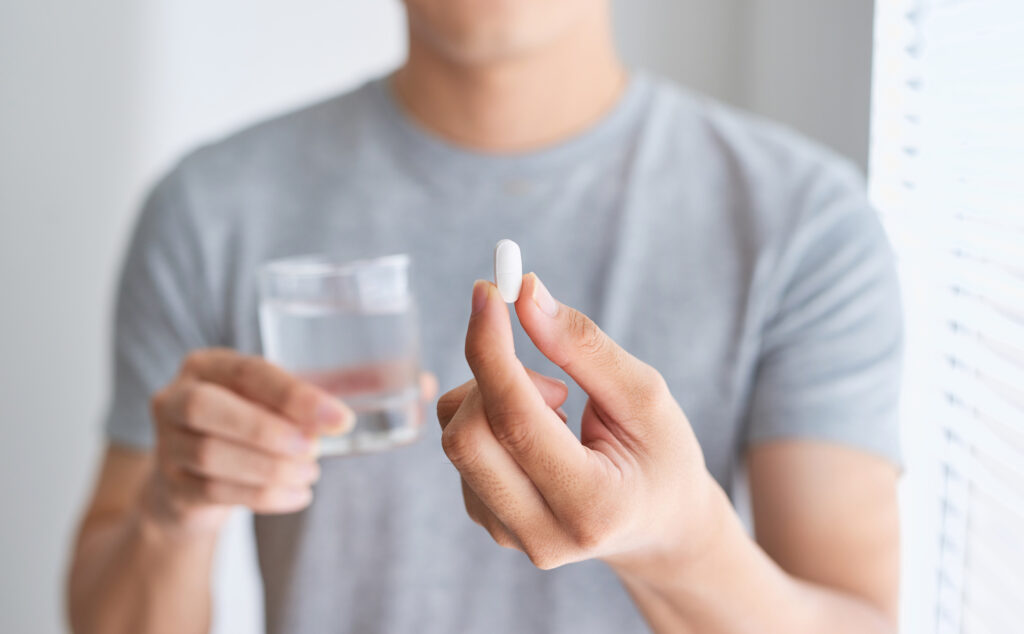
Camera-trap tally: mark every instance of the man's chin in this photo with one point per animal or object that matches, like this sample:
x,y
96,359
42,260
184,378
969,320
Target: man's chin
x,y
483,46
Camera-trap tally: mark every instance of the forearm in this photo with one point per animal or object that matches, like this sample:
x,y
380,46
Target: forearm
x,y
734,586
130,575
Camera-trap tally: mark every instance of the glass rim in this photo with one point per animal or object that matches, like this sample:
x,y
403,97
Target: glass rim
x,y
325,266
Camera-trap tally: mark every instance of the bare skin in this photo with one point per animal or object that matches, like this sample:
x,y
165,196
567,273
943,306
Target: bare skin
x,y
231,430
515,100
503,76
634,492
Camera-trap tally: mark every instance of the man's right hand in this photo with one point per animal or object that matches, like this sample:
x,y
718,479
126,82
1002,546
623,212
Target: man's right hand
x,y
235,430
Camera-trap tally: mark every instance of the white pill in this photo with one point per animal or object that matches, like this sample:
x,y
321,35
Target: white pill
x,y
508,269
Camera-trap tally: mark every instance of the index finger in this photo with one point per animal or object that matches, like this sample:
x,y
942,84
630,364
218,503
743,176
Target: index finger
x,y
261,381
521,421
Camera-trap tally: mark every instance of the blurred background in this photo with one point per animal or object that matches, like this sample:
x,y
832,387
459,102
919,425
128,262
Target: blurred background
x,y
98,98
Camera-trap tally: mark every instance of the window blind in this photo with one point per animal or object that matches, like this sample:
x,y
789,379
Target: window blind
x,y
947,174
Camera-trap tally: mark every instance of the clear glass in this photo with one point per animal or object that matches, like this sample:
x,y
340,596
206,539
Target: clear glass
x,y
350,328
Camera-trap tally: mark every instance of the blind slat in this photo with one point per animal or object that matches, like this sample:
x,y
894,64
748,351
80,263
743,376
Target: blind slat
x,y
947,173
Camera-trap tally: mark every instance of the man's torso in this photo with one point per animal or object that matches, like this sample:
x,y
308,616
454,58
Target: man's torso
x,y
649,223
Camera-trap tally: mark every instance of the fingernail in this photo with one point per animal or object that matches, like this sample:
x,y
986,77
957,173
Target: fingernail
x,y
334,416
542,297
480,290
299,443
554,381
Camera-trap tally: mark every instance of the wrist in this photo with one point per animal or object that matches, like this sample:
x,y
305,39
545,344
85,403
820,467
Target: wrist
x,y
164,519
688,546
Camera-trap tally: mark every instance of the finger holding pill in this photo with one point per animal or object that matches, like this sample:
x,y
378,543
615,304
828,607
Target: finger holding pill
x,y
508,270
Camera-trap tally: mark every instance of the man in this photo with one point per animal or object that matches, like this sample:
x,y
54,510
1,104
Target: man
x,y
740,263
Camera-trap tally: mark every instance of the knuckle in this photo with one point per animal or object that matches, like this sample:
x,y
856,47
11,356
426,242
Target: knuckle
x,y
479,353
447,404
588,537
204,454
655,381
460,446
246,370
275,470
260,434
471,511
501,536
193,362
194,402
475,357
585,333
161,444
158,402
513,431
591,529
502,539
543,559
165,461
263,498
210,490
296,397
651,388
444,404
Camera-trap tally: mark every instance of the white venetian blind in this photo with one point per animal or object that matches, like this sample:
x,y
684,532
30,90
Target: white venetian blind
x,y
947,173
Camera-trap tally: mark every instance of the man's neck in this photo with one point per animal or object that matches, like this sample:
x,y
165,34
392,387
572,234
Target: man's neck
x,y
514,105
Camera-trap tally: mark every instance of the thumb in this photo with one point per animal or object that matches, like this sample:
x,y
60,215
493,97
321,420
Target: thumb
x,y
619,383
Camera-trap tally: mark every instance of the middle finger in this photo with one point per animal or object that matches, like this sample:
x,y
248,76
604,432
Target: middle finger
x,y
494,476
226,460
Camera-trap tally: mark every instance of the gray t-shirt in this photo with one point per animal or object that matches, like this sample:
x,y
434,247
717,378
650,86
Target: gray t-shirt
x,y
738,259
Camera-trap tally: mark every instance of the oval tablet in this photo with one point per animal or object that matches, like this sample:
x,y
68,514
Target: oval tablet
x,y
508,270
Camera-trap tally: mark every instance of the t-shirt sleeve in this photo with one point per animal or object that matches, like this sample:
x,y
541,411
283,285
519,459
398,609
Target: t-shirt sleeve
x,y
830,360
162,310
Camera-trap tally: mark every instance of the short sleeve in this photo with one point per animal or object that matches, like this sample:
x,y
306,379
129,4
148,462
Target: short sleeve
x,y
162,310
830,360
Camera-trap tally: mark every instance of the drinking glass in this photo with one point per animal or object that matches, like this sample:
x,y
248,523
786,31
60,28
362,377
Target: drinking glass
x,y
351,329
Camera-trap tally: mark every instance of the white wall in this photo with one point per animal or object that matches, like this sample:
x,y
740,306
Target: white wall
x,y
66,144
697,42
807,63
96,98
